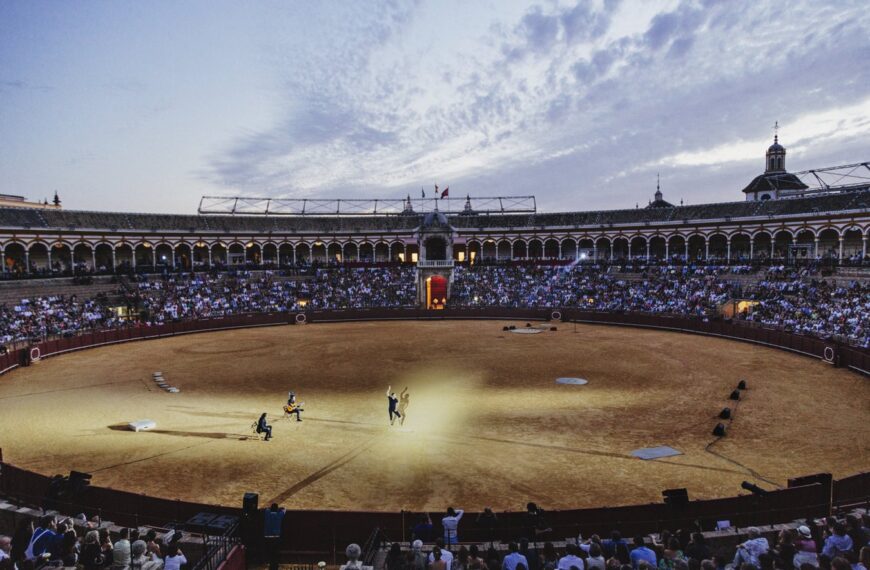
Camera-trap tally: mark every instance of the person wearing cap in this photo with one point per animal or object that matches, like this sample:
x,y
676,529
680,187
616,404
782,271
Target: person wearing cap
x,y
749,551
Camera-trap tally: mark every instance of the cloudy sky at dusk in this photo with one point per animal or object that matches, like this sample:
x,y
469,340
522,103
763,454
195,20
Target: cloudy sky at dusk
x,y
146,106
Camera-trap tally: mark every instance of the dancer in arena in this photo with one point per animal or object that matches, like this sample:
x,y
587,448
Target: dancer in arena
x,y
263,427
392,402
404,400
293,407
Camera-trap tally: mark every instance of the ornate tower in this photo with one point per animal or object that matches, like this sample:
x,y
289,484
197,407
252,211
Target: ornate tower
x,y
776,182
775,154
435,266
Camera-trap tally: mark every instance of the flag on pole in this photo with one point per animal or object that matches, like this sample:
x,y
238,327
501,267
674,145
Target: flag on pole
x,y
436,190
423,192
444,194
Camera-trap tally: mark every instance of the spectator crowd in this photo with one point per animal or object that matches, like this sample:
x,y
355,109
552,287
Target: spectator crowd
x,y
793,299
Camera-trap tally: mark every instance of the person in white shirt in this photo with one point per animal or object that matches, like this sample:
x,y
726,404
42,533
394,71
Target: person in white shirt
x,y
451,525
514,558
750,551
174,558
5,547
570,560
446,555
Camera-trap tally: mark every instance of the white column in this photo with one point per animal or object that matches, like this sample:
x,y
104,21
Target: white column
x,y
173,259
667,248
2,261
647,250
114,263
728,251
133,251
706,249
594,251
154,257
863,247
560,250
209,257
245,254
816,249
50,268
687,249
629,250
94,258
611,250
751,248
27,260
840,253
772,246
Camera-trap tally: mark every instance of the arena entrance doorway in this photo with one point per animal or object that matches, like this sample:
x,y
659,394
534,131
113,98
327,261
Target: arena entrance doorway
x,y
436,292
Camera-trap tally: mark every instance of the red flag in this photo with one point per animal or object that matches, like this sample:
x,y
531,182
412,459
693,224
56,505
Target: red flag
x,y
444,194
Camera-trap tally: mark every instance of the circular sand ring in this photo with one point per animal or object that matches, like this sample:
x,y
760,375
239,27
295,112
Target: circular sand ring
x,y
527,331
572,381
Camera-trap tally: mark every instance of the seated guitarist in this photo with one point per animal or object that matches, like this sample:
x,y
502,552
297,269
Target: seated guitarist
x,y
293,407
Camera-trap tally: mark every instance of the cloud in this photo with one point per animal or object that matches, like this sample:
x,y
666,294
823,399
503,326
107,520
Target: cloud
x,y
561,101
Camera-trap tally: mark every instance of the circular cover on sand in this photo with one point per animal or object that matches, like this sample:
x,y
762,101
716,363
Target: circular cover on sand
x,y
574,381
527,331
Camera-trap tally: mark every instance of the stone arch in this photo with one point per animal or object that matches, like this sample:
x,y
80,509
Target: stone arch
x,y
318,252
302,253
620,247
741,244
220,254
762,245
103,255
505,249
853,244
697,247
350,251
271,257
718,246
519,250
677,247
366,252
334,252
381,251
490,249
83,256
602,247
535,249
474,251
15,257
551,249
569,248
657,247
804,247
829,243
397,251
783,239
638,247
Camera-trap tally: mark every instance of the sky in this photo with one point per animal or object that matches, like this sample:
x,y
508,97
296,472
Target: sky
x,y
147,106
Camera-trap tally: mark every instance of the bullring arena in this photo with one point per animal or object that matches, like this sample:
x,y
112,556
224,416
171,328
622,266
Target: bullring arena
x,y
487,425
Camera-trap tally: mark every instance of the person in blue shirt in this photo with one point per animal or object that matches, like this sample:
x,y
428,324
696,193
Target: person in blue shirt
x,y
641,553
514,558
273,521
44,540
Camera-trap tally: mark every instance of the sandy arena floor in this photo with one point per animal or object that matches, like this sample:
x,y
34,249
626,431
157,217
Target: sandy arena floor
x,y
486,424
